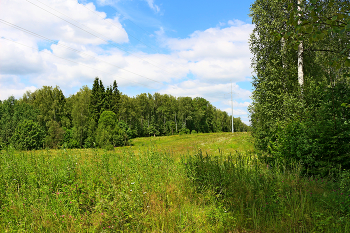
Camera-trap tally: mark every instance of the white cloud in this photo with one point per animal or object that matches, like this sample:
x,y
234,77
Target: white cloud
x,y
212,58
153,6
41,19
10,85
213,93
217,54
236,112
18,61
236,104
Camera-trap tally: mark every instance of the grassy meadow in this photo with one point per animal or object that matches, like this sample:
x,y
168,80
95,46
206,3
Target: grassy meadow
x,y
181,183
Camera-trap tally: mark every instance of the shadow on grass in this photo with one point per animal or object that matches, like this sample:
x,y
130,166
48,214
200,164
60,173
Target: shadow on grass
x,y
270,198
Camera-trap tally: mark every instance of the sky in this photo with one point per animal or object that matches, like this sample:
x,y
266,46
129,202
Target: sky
x,y
196,48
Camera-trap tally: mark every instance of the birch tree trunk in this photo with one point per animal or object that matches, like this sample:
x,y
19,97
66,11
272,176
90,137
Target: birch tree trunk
x,y
300,57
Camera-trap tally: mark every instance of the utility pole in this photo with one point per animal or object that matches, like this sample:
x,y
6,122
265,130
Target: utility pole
x,y
231,107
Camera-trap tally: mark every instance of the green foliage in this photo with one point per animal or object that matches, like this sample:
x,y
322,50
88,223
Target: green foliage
x,y
12,112
81,115
29,135
319,22
55,135
110,132
68,139
320,140
50,102
304,123
106,129
78,116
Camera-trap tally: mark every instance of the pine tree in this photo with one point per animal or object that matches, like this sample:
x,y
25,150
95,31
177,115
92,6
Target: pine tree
x,y
115,99
94,101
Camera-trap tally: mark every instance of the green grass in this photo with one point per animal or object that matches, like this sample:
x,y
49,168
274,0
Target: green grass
x,y
165,184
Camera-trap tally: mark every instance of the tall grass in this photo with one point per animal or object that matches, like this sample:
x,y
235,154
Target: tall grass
x,y
270,198
167,185
99,191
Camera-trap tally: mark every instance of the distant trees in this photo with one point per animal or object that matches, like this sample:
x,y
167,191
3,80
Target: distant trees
x,y
28,135
103,117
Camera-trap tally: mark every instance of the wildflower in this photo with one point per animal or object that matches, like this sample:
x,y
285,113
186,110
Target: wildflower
x,y
133,183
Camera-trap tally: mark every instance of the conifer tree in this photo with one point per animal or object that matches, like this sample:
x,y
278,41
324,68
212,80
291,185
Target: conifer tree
x,y
94,101
115,99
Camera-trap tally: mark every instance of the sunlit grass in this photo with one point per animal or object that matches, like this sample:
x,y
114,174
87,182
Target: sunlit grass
x,y
165,184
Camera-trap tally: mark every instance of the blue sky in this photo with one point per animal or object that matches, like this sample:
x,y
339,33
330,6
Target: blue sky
x,y
184,48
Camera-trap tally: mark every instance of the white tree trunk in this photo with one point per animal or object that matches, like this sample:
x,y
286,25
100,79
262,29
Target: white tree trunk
x,y
300,57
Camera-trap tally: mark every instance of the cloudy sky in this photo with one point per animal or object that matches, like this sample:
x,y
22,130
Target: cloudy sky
x,y
183,48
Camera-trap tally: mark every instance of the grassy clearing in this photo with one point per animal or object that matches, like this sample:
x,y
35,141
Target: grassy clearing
x,y
165,184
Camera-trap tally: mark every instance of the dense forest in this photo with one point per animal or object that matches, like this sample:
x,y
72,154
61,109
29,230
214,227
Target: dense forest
x,y
103,117
300,111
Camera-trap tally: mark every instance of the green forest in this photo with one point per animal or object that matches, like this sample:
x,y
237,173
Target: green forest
x,y
103,117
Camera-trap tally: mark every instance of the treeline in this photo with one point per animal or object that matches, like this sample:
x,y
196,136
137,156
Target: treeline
x,y
301,99
103,117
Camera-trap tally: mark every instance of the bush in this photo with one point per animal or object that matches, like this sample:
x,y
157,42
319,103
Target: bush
x,y
111,133
184,131
28,136
55,135
319,140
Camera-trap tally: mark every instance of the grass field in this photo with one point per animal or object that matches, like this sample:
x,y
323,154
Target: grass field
x,y
166,184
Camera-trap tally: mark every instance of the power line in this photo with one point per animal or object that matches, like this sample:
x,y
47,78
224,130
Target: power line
x,y
72,61
88,31
70,48
115,25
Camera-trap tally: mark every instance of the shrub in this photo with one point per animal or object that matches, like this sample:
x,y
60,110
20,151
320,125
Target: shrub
x,y
184,131
110,132
55,135
319,140
28,136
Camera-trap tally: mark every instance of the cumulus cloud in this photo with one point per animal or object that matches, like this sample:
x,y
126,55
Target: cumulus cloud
x,y
211,58
39,17
10,85
216,54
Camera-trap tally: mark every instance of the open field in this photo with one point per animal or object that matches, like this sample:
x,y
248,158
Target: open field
x,y
165,184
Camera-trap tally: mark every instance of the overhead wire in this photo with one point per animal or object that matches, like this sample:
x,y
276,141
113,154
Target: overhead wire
x,y
72,49
121,28
90,32
115,25
73,61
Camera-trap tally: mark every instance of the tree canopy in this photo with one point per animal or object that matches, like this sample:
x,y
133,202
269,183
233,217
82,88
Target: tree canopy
x,y
303,121
104,117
